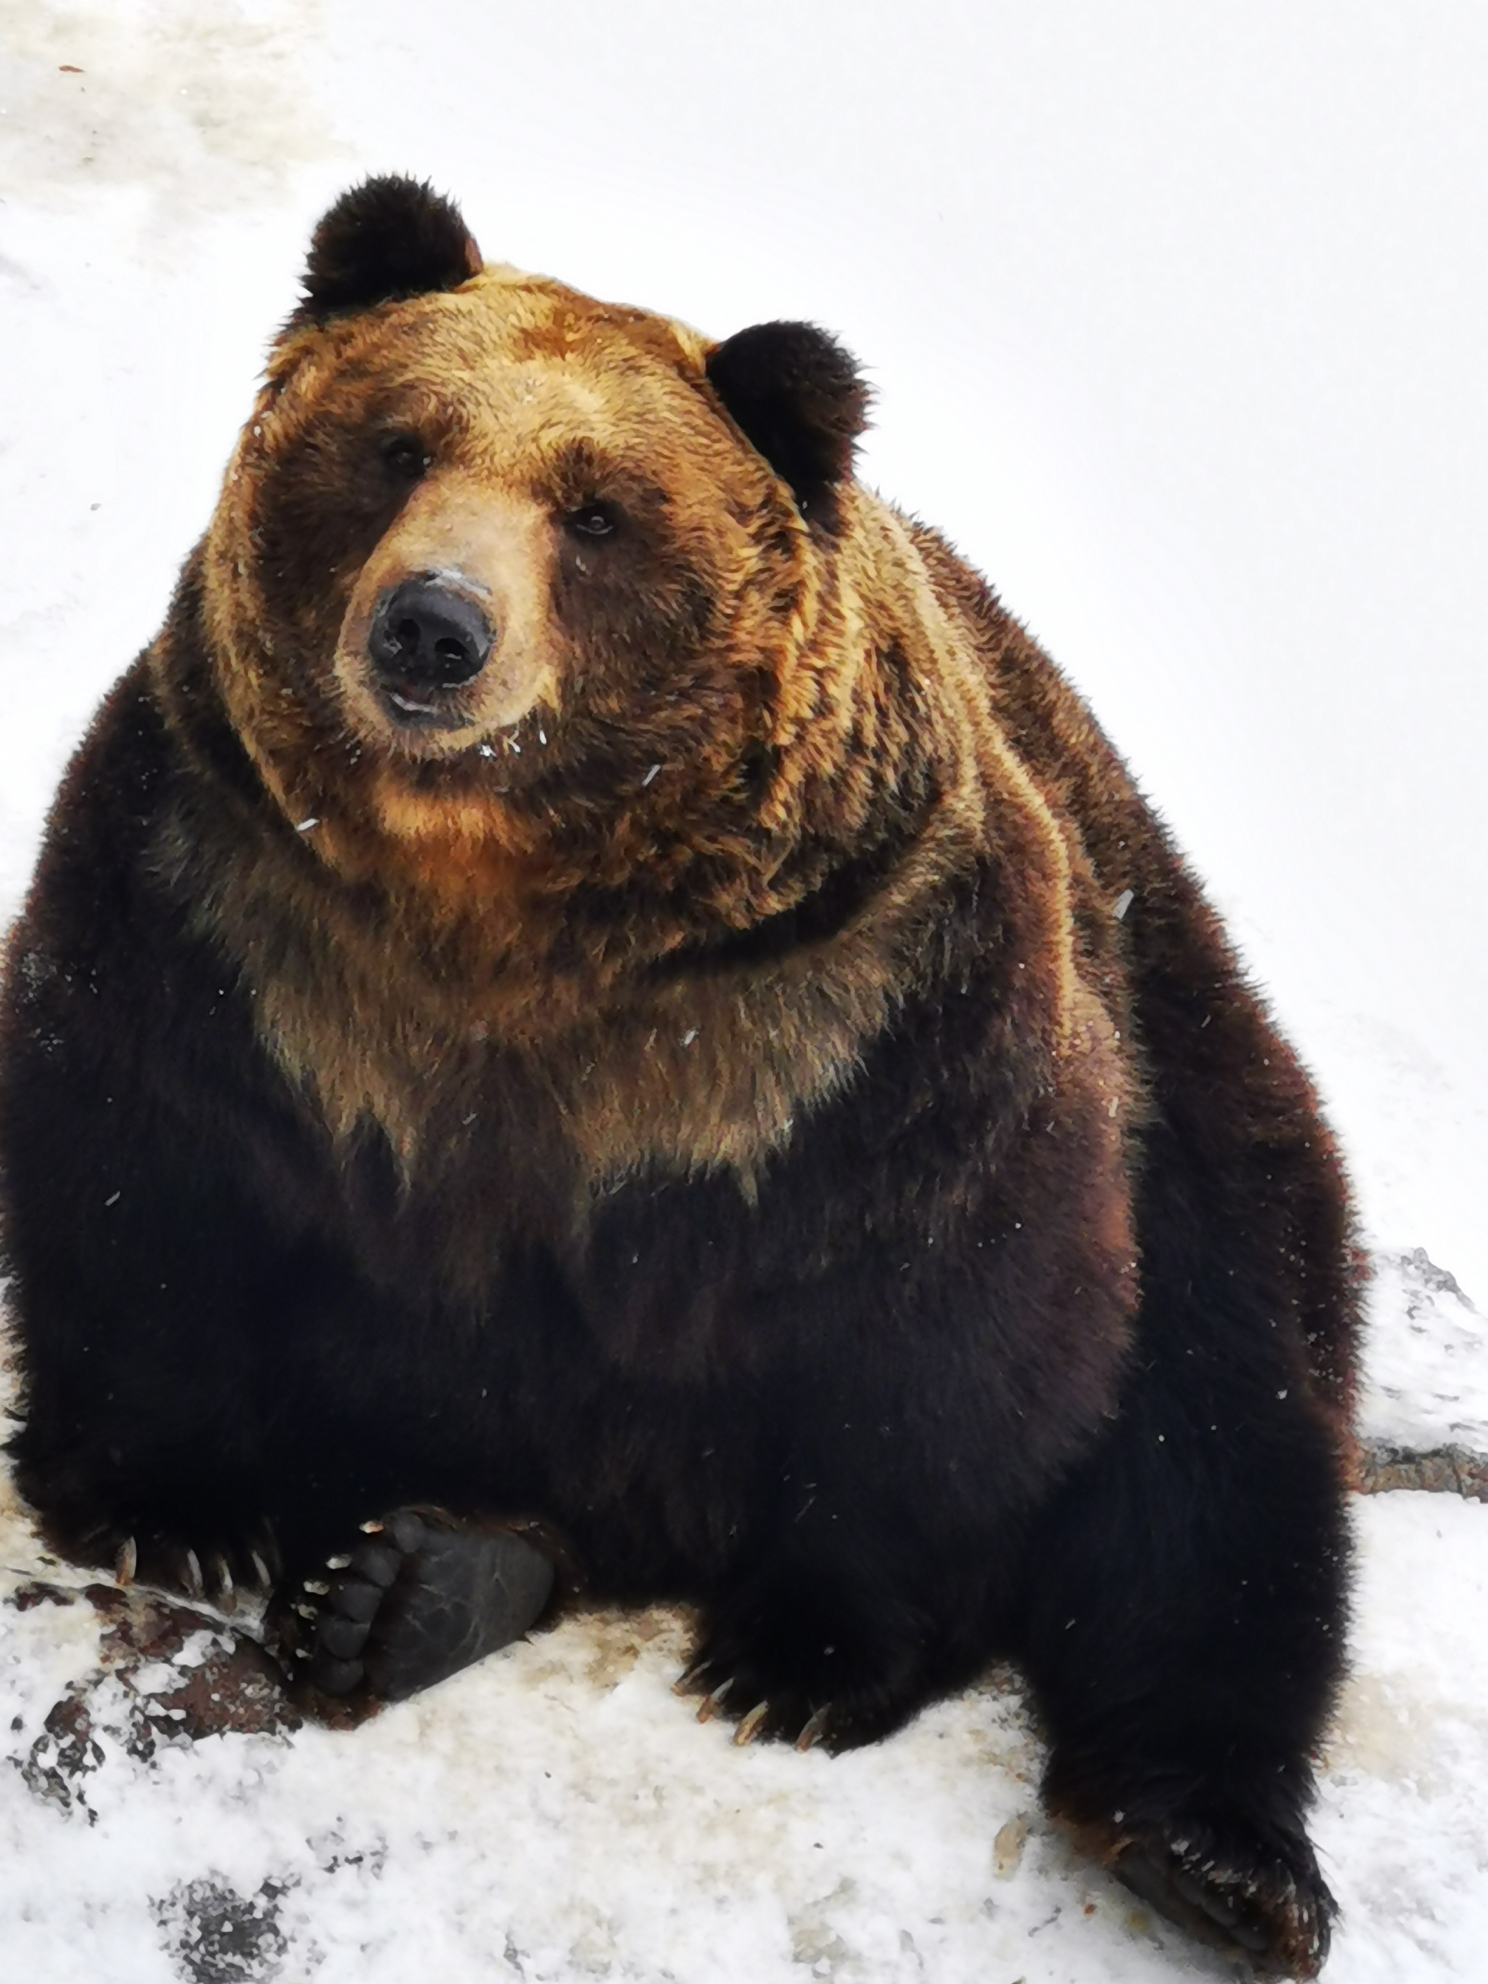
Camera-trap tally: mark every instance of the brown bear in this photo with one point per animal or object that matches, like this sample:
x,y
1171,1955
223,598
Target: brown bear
x,y
594,1001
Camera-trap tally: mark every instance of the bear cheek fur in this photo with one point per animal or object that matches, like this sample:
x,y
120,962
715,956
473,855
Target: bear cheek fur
x,y
305,503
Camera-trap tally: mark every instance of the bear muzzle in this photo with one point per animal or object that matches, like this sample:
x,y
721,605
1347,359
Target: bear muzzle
x,y
428,639
447,637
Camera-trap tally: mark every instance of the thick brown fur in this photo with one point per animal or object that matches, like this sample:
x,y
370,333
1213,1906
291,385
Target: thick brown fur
x,y
736,1075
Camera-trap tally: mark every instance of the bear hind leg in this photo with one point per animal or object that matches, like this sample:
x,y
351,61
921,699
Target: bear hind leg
x,y
1184,1641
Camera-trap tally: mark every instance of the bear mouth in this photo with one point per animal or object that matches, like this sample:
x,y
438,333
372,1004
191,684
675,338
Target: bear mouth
x,y
417,706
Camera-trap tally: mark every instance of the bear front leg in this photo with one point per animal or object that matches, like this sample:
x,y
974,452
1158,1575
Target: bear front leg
x,y
159,1438
1186,1606
133,1467
839,1633
207,1547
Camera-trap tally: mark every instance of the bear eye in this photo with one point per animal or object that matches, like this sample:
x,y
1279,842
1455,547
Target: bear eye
x,y
592,520
405,456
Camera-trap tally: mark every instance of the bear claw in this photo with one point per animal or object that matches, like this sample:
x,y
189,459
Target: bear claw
x,y
749,1727
228,1572
814,1729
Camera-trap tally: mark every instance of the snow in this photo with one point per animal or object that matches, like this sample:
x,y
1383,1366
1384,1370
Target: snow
x,y
1175,319
1427,1361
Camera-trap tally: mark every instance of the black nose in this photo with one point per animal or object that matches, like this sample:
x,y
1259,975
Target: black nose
x,y
425,632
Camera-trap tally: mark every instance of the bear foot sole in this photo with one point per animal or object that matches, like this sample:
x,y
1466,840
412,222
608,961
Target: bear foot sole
x,y
417,1596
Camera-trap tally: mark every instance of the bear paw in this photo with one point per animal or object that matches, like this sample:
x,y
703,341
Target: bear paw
x,y
416,1598
790,1658
1272,1908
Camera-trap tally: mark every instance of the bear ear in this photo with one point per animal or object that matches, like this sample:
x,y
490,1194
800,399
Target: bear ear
x,y
797,396
385,239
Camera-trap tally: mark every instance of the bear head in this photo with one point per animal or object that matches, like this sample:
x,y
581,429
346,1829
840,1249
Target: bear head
x,y
498,563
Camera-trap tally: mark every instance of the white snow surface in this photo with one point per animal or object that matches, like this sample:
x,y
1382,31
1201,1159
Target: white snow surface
x,y
1426,1365
1175,318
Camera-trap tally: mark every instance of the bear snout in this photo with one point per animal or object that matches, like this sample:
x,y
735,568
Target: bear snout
x,y
426,638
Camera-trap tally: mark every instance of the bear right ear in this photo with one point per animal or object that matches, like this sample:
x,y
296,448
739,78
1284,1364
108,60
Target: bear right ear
x,y
386,239
798,398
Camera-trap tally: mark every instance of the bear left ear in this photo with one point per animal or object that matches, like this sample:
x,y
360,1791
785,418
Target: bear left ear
x,y
797,396
387,238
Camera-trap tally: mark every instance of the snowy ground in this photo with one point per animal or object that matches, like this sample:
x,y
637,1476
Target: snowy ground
x,y
1176,319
